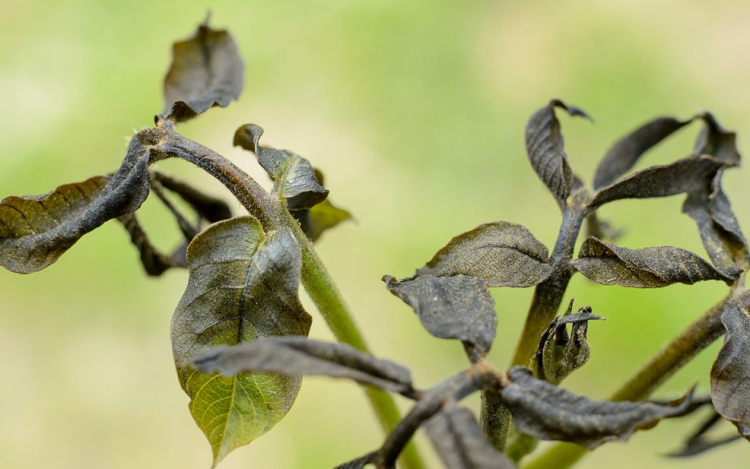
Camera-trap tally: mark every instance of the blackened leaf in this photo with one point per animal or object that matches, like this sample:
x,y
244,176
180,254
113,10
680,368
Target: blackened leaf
x,y
685,175
359,463
551,413
301,356
544,145
243,286
206,206
502,254
699,442
601,229
206,71
559,354
154,262
730,374
36,230
627,151
293,176
716,141
320,218
717,225
651,267
460,442
458,307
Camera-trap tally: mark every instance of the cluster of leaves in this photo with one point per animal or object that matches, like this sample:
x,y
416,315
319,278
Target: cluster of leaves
x,y
241,316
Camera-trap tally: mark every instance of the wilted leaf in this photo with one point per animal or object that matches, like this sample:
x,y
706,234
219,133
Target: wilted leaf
x,y
699,442
301,356
243,286
293,176
685,175
716,141
154,262
206,71
460,443
601,229
544,145
628,150
36,230
560,354
316,220
651,267
551,413
500,253
730,375
206,206
359,463
458,307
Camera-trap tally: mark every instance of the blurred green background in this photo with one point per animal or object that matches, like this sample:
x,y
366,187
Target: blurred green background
x,y
415,111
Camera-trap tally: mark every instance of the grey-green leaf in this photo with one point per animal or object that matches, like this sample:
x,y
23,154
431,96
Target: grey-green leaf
x,y
36,230
243,286
502,254
730,374
652,267
293,176
206,71
551,413
300,356
544,146
457,307
320,218
459,441
628,150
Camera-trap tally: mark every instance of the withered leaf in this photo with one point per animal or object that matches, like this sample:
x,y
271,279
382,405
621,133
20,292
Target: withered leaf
x,y
551,413
293,176
699,442
544,145
560,354
36,230
685,175
206,71
243,286
301,356
628,150
457,307
652,267
716,141
459,441
730,374
320,218
154,262
359,463
502,254
208,207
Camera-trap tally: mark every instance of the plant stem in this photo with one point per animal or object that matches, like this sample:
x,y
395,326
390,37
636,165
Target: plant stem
x,y
495,419
679,351
272,214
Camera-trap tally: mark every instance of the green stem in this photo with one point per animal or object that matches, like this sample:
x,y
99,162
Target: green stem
x,y
679,351
272,214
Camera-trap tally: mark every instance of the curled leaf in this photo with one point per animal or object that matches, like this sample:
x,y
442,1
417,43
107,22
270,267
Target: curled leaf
x,y
544,145
243,286
502,254
628,150
154,262
206,206
320,218
36,230
359,463
699,442
300,356
560,354
459,441
716,141
730,374
293,176
206,71
551,413
457,307
652,267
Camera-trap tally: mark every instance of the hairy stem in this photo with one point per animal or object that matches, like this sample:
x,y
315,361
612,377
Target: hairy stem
x,y
495,419
272,214
677,353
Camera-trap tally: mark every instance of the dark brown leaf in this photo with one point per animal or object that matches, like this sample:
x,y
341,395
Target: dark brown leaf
x,y
651,267
730,375
206,206
293,176
458,307
459,441
154,262
36,230
716,141
299,356
243,286
544,145
500,253
685,175
206,71
560,354
551,413
699,442
359,463
628,150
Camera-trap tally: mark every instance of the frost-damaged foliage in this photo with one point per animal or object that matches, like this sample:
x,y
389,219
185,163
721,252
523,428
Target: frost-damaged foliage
x,y
241,316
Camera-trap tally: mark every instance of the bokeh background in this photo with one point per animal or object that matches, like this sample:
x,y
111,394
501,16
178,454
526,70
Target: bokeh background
x,y
415,110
